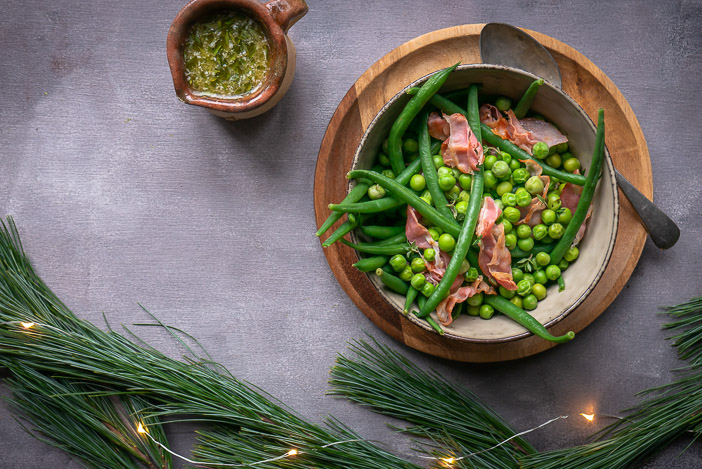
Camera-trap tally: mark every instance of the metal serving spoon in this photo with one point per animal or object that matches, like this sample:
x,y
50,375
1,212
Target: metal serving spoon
x,y
502,44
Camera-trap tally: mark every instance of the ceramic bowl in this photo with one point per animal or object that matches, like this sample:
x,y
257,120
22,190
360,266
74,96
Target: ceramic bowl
x,y
582,276
275,17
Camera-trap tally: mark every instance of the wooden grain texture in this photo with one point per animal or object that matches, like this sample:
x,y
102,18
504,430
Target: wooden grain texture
x,y
582,80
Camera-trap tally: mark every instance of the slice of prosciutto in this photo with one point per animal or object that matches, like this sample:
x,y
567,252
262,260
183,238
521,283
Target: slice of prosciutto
x,y
543,131
461,149
570,196
524,133
531,214
494,258
418,233
445,308
438,127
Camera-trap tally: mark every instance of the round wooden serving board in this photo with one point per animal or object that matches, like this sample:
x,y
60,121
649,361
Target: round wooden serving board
x,y
582,80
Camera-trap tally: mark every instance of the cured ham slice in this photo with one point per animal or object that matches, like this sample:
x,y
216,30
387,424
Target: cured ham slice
x,y
531,214
570,196
494,258
518,134
461,149
445,308
524,133
543,131
418,233
438,127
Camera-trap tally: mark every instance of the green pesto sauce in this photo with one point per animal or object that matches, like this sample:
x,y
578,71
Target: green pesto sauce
x,y
226,54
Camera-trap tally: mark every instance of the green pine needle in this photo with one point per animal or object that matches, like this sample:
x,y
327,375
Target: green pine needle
x,y
390,384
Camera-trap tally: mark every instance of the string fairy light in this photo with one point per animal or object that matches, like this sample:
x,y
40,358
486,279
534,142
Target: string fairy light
x,y
141,429
27,325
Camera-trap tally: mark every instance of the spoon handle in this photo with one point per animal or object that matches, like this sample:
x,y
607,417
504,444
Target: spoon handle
x,y
663,231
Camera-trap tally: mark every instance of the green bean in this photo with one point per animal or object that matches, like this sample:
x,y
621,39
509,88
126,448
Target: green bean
x,y
457,310
520,254
437,195
408,196
397,239
516,152
385,250
463,243
588,192
527,98
369,264
393,283
354,195
410,111
474,113
561,283
381,232
517,314
409,299
340,232
421,301
434,325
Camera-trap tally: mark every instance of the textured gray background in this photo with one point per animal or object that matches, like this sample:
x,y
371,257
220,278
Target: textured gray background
x,y
125,195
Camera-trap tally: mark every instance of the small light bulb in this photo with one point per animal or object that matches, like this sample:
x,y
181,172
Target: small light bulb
x,y
141,429
292,452
27,325
588,417
449,460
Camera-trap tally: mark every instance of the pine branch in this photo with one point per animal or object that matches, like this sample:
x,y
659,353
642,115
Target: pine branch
x,y
669,412
244,425
390,384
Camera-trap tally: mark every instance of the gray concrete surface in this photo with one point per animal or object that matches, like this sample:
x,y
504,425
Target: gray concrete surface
x,y
125,195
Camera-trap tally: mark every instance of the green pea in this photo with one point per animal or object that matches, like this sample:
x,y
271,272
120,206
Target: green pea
x,y
514,164
433,232
510,241
473,310
418,281
543,258
429,254
398,262
517,301
548,216
428,289
506,157
375,192
525,244
511,214
447,242
406,274
388,173
564,216
383,159
523,287
410,145
523,231
486,311
461,208
418,265
517,274
508,198
456,173
465,180
418,183
464,196
452,194
504,188
539,291
534,185
563,265
504,293
547,239
554,201
503,104
501,169
507,225
571,165
471,275
540,150
530,302
556,230
540,277
489,161
465,265
444,171
438,161
530,278
520,175
489,180
553,272
554,160
539,232
571,254
562,147
446,182
523,198
475,300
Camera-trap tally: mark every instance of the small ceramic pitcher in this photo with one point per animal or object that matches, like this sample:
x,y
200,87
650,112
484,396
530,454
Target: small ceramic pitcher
x,y
275,17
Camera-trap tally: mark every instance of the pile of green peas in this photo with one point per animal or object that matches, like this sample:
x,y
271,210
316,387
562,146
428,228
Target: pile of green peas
x,y
509,183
